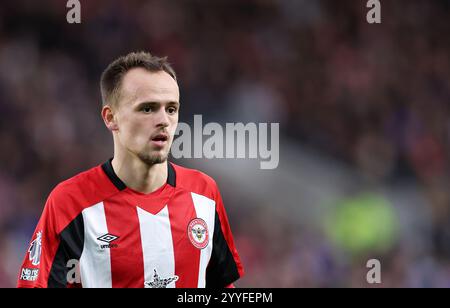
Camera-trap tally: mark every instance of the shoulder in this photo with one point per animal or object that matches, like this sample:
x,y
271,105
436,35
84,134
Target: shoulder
x,y
195,181
80,191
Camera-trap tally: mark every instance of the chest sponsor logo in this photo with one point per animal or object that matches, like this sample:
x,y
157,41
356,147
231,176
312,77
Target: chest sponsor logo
x,y
160,283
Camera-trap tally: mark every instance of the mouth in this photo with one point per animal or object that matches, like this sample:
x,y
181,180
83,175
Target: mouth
x,y
160,139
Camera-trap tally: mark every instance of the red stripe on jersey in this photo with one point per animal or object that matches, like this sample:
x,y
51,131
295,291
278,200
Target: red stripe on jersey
x,y
187,257
127,261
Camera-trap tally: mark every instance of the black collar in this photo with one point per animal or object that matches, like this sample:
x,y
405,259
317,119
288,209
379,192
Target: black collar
x,y
108,169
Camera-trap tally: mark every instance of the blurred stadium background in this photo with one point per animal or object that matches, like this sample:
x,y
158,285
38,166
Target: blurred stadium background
x,y
364,112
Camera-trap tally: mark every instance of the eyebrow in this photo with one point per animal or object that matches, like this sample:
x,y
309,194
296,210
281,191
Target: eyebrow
x,y
171,103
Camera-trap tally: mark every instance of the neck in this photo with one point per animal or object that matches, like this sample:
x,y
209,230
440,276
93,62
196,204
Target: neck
x,y
139,176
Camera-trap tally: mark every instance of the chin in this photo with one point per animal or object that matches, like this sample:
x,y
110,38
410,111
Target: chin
x,y
153,159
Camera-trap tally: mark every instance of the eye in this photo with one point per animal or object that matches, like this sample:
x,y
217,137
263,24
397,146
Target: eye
x,y
171,110
147,109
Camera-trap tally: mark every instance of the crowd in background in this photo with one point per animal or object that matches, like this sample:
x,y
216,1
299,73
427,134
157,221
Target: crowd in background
x,y
376,97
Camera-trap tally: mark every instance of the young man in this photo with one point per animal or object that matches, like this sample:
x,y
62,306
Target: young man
x,y
137,220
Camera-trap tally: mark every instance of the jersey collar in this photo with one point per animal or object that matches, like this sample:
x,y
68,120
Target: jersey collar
x,y
109,171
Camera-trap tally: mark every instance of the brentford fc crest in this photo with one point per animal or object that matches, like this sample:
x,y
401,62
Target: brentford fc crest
x,y
198,233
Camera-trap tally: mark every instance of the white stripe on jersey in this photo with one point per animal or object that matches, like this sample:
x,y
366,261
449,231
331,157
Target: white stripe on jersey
x,y
157,245
206,210
95,263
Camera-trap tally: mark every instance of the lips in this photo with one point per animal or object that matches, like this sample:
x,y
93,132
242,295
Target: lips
x,y
160,137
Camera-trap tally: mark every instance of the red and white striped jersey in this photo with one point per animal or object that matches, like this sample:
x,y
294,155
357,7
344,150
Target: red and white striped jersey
x,y
96,232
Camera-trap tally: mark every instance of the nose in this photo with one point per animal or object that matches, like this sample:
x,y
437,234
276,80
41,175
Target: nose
x,y
162,118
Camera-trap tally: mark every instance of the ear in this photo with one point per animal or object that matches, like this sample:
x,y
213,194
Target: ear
x,y
108,118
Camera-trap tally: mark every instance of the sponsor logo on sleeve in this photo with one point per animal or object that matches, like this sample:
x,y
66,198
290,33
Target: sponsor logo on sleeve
x,y
34,252
29,274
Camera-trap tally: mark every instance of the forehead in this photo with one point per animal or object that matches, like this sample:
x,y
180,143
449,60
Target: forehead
x,y
141,85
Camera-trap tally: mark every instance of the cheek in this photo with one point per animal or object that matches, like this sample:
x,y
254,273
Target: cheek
x,y
132,129
140,131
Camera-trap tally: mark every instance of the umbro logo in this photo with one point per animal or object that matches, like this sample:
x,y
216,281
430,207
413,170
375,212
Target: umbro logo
x,y
108,238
